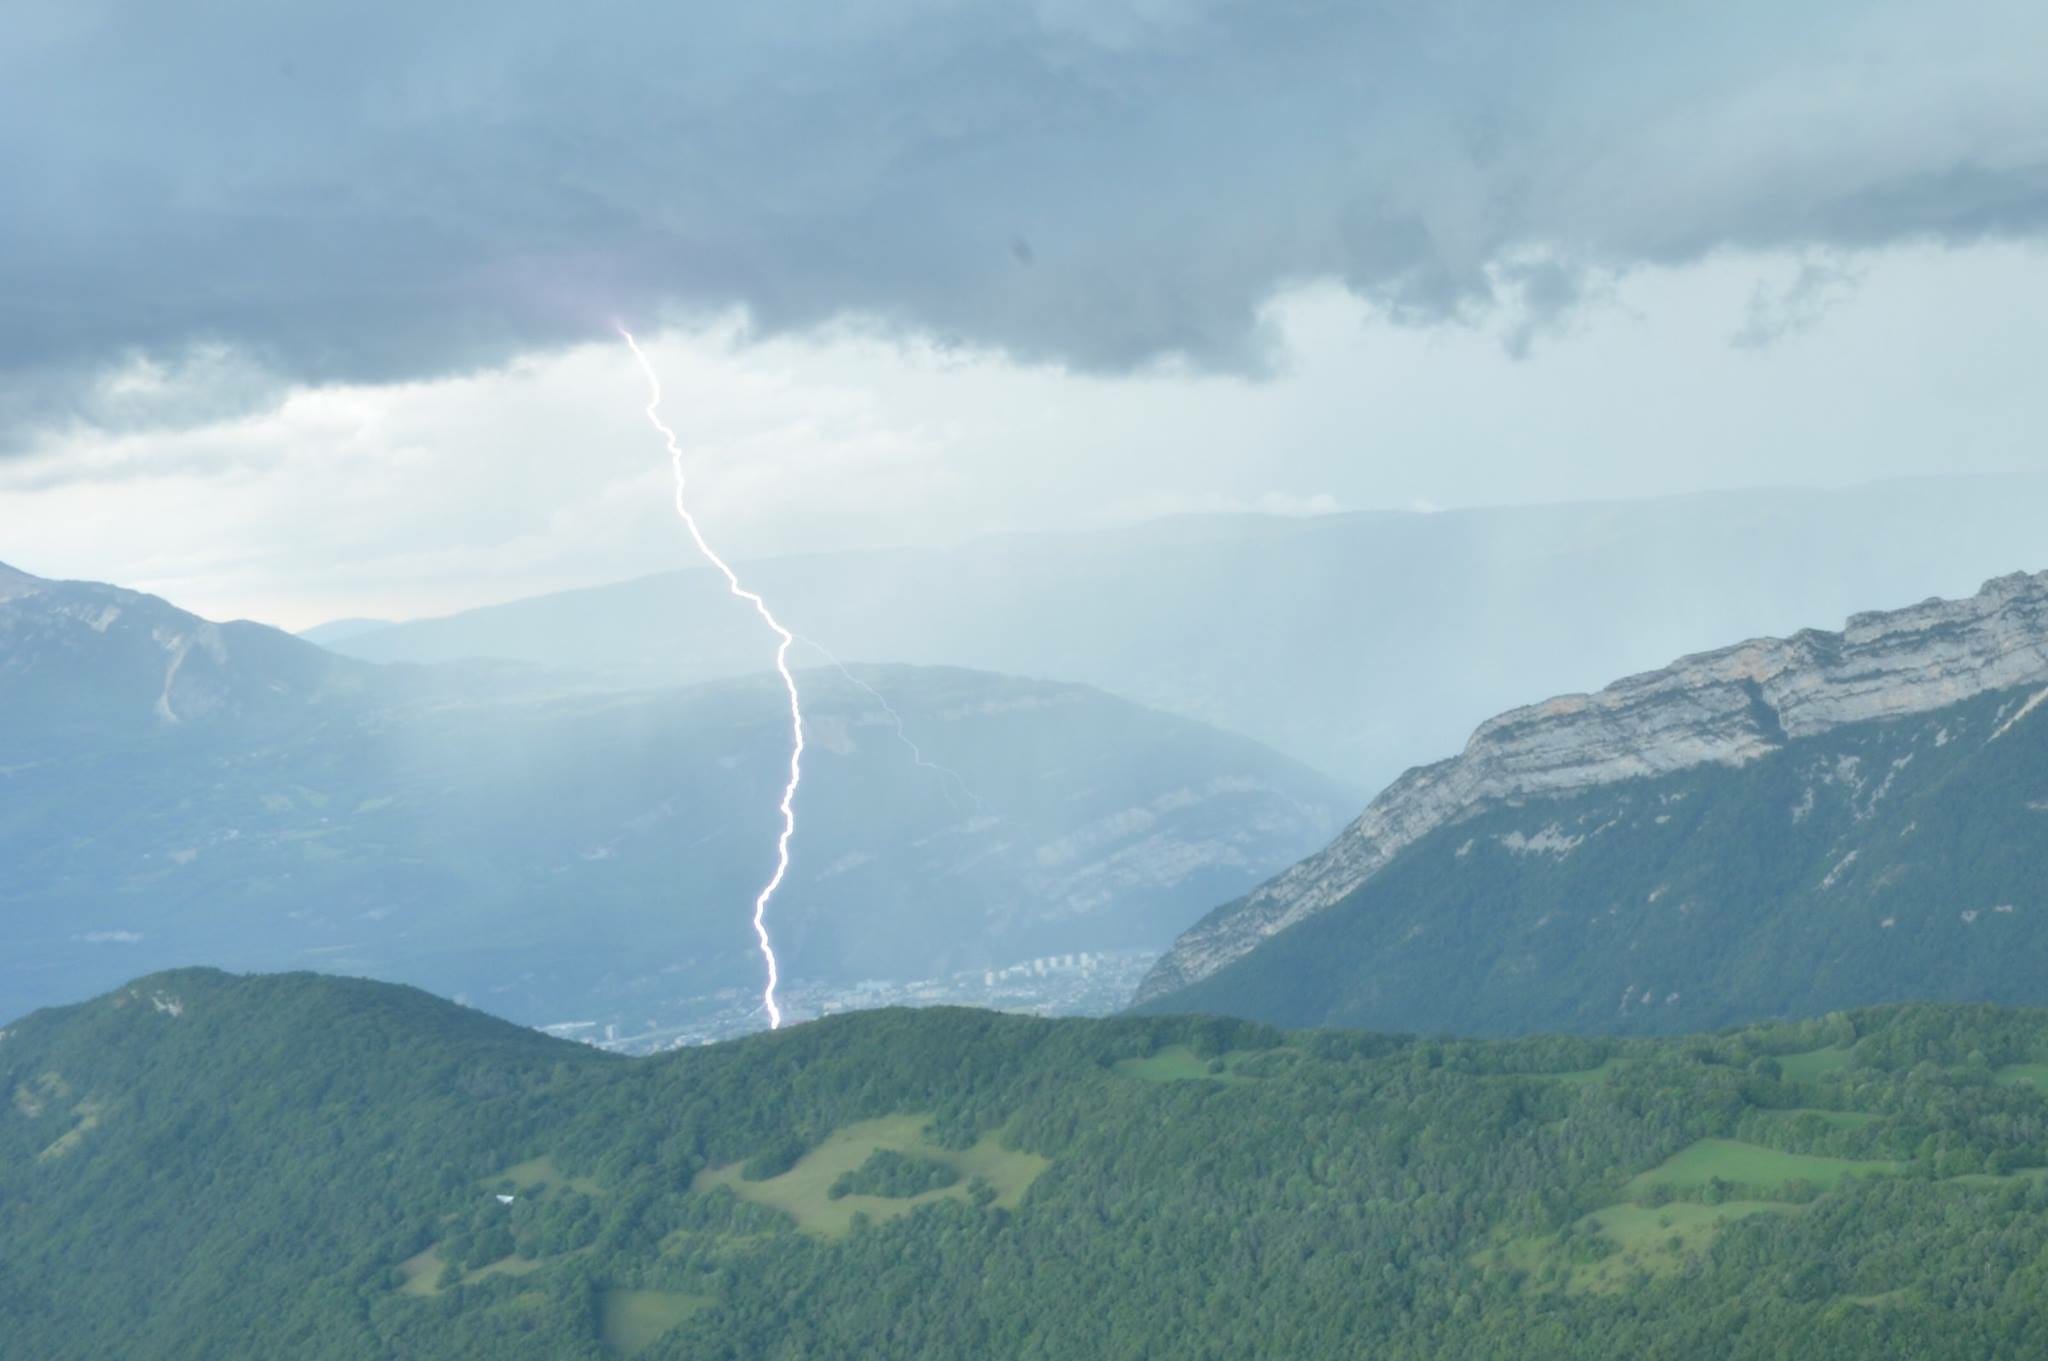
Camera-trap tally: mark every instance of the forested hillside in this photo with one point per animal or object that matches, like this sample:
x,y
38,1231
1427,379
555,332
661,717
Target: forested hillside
x,y
200,1165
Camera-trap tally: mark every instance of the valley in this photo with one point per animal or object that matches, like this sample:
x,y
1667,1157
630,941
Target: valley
x,y
557,853
1083,983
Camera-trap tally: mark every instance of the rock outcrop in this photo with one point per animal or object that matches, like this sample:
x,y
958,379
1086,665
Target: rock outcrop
x,y
1729,707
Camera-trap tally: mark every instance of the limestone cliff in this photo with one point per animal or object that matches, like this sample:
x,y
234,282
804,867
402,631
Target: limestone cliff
x,y
1729,707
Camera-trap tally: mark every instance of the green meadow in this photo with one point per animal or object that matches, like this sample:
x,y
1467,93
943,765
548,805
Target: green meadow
x,y
1813,1065
804,1191
2033,1075
1178,1063
1621,1245
1752,1167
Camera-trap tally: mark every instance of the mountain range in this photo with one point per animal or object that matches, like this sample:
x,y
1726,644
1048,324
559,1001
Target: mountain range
x,y
1783,827
174,790
1360,643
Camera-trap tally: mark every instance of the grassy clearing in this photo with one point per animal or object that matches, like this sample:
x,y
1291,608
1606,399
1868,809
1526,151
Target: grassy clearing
x,y
2033,1075
88,1113
34,1097
631,1321
1658,1242
1582,1077
1752,1167
1638,1242
1624,1244
1178,1063
504,1266
1813,1065
422,1272
538,1174
803,1192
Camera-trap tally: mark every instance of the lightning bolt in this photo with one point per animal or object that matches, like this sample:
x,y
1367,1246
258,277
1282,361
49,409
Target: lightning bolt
x,y
786,640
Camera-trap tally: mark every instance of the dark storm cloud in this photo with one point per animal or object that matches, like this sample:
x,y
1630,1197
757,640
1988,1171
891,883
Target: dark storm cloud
x,y
247,194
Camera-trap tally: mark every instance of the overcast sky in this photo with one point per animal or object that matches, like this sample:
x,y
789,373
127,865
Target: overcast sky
x,y
308,313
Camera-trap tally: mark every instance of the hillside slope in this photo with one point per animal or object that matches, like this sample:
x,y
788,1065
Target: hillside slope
x,y
1359,643
199,1165
583,855
83,659
1779,828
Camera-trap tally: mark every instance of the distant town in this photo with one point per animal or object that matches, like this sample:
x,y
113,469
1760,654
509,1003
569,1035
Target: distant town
x,y
1083,983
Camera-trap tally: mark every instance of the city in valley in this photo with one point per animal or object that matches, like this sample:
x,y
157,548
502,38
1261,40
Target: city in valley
x,y
1082,983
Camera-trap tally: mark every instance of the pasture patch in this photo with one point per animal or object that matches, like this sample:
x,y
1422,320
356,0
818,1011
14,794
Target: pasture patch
x,y
1579,1077
1813,1065
2034,1075
804,1191
1619,1245
1752,1168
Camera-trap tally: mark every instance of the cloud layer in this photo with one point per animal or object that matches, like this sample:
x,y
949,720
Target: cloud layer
x,y
403,499
209,202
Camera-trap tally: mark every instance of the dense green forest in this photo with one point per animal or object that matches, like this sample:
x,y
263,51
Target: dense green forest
x,y
202,1166
1879,862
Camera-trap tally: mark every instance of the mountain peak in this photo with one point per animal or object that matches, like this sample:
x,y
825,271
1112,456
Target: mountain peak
x,y
86,657
15,582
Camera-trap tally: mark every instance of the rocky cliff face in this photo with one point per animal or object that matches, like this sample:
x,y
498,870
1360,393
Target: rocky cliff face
x,y
1726,707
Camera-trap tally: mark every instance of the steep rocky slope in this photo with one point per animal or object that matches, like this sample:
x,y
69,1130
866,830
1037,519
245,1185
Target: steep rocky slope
x,y
1727,710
